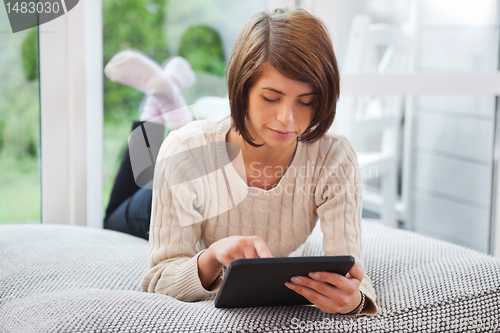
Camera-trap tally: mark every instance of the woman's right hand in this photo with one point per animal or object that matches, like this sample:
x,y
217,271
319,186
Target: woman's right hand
x,y
225,250
229,248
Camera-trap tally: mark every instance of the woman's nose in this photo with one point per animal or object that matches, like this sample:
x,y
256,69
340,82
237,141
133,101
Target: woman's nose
x,y
285,114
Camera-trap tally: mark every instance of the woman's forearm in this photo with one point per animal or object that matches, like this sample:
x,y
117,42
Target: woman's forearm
x,y
208,268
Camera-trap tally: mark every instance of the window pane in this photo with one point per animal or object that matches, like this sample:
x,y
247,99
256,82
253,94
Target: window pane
x,y
224,16
201,31
444,178
19,125
451,154
447,36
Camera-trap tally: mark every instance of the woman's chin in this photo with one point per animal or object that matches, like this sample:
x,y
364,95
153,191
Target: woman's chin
x,y
278,143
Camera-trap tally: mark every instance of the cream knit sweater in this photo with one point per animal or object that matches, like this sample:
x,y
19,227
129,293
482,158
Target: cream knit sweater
x,y
190,210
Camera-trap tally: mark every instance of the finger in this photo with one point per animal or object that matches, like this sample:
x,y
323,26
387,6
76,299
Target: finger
x,y
337,280
229,259
321,287
313,296
261,248
250,252
356,273
233,254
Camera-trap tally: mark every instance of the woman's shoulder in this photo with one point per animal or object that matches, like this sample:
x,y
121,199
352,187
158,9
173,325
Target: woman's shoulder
x,y
332,147
183,152
202,126
196,133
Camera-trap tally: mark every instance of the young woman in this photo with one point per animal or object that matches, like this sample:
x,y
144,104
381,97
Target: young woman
x,y
283,85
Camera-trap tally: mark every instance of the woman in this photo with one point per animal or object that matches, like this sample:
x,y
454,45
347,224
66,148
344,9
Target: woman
x,y
283,85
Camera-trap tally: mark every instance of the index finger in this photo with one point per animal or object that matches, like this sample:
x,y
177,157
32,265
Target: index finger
x,y
356,272
262,249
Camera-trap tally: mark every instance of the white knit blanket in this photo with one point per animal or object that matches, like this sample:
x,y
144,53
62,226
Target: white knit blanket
x,y
56,278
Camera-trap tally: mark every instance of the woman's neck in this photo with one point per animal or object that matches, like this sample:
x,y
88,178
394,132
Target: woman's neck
x,y
264,155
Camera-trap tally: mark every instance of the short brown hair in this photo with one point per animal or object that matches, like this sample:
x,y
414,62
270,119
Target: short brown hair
x,y
298,46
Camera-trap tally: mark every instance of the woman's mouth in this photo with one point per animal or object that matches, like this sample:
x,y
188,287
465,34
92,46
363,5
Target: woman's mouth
x,y
281,135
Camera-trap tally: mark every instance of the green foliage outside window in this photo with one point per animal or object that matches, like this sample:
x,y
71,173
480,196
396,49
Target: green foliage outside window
x,y
127,24
202,46
139,25
131,24
29,56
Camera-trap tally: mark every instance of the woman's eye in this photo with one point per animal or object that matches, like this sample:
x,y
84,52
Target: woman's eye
x,y
305,104
269,100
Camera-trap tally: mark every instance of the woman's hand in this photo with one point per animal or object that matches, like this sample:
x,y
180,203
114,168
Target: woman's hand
x,y
331,292
225,250
229,248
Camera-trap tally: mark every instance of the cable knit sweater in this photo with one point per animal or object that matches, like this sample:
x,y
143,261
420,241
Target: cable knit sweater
x,y
195,204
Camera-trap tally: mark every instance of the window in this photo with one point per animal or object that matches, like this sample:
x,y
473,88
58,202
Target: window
x,y
201,31
19,125
445,150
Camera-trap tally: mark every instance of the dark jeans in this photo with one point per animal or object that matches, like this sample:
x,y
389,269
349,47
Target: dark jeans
x,y
129,207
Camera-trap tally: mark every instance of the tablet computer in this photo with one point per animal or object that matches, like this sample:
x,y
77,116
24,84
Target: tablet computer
x,y
261,281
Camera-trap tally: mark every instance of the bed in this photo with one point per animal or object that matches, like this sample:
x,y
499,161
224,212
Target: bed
x,y
62,278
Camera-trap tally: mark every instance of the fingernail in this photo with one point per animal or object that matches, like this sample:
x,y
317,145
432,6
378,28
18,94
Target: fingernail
x,y
296,279
314,275
290,285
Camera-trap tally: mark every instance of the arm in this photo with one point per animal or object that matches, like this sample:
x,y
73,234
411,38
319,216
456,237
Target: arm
x,y
339,205
176,227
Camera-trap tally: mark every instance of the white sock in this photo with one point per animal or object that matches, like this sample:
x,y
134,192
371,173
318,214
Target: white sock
x,y
151,111
176,113
135,70
164,103
174,108
181,72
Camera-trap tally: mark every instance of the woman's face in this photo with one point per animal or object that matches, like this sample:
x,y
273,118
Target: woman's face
x,y
279,109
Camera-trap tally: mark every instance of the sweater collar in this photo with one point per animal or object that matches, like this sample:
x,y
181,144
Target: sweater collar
x,y
235,180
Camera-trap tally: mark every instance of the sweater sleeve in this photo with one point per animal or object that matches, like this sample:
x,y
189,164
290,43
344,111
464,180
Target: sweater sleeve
x,y
175,228
339,204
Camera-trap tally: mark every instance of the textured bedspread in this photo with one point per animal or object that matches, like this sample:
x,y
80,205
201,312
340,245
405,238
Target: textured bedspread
x,y
57,278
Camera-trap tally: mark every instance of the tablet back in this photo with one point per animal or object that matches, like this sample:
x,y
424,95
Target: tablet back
x,y
261,281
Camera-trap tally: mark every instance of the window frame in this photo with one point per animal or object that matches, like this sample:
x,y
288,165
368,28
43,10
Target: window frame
x,y
71,102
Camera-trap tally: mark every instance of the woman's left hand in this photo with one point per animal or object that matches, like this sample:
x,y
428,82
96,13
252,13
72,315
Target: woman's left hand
x,y
331,292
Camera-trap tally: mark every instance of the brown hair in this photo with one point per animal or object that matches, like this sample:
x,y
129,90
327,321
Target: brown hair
x,y
298,46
